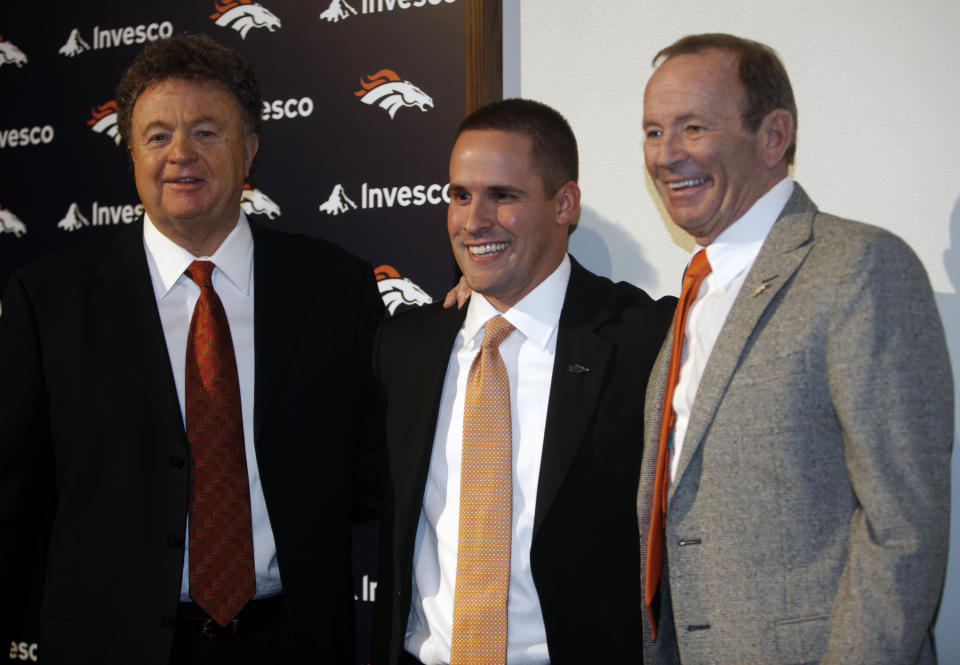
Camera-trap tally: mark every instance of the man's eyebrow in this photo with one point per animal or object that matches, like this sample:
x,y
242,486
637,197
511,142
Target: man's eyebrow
x,y
506,188
686,117
192,123
488,188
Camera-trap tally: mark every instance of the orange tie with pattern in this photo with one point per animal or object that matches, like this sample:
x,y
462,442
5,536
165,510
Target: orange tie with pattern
x,y
486,509
698,269
222,577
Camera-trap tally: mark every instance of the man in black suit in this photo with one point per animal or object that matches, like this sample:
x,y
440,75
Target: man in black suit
x,y
577,362
96,350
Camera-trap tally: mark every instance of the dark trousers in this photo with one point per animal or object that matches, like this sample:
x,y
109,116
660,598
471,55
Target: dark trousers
x,y
260,635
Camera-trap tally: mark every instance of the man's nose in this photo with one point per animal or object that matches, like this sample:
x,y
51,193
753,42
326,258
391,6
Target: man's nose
x,y
480,217
670,151
181,149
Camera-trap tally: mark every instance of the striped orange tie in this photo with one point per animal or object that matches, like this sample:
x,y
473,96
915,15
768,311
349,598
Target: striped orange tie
x,y
698,269
486,509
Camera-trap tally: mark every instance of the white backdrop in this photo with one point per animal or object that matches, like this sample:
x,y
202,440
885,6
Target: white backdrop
x,y
878,95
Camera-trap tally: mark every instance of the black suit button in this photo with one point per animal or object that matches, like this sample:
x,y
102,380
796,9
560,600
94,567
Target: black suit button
x,y
177,462
174,541
168,622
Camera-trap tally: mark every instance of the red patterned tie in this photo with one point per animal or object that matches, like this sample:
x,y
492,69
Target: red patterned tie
x,y
698,269
222,577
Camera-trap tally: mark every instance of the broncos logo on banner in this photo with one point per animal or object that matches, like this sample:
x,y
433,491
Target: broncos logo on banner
x,y
244,15
337,11
396,290
10,223
10,54
103,120
388,91
255,202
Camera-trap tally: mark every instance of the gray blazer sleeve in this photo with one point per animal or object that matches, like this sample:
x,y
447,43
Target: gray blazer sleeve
x,y
890,383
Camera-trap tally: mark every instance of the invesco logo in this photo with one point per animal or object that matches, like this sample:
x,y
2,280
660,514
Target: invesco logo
x,y
26,136
287,108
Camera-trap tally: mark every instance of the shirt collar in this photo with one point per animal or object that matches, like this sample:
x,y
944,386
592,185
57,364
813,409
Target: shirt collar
x,y
735,249
536,316
234,256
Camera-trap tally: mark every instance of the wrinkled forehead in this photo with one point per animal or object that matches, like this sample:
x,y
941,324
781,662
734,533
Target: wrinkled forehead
x,y
691,81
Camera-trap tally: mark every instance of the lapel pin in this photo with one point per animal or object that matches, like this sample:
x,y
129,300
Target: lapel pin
x,y
577,369
763,287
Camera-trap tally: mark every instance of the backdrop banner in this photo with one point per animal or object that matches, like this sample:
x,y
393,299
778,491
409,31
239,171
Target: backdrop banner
x,y
362,99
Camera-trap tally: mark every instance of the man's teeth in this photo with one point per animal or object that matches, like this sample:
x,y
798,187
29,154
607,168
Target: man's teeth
x,y
185,180
489,248
692,182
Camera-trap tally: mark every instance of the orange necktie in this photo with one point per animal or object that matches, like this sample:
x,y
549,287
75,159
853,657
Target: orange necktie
x,y
222,577
486,509
698,269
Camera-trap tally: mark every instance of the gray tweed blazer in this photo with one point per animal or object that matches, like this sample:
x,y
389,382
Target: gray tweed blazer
x,y
809,519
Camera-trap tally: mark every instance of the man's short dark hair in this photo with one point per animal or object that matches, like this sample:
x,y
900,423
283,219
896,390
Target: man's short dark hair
x,y
554,147
764,79
194,57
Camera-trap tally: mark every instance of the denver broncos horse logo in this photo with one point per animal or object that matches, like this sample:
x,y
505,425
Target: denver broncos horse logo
x,y
396,290
103,120
388,91
10,223
255,202
10,54
243,15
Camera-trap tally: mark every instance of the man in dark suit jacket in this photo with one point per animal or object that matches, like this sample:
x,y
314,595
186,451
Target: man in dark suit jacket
x,y
93,451
577,363
808,480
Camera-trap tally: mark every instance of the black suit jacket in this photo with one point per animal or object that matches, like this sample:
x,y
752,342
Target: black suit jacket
x,y
93,454
585,549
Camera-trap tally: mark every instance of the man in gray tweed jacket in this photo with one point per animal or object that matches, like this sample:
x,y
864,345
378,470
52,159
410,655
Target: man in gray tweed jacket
x,y
808,465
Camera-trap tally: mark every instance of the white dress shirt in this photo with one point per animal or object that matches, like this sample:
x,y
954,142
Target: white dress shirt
x,y
177,295
731,255
528,354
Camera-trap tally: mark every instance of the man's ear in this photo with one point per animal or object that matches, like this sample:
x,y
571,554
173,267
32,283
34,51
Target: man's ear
x,y
251,144
774,136
568,202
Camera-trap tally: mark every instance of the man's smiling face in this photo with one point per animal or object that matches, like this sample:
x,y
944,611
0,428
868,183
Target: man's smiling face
x,y
507,234
191,154
706,167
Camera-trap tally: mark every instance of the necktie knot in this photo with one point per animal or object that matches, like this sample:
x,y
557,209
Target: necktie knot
x,y
201,272
498,329
699,267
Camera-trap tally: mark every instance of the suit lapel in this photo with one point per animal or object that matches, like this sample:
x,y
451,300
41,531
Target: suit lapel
x,y
429,346
652,417
427,354
278,296
126,304
779,258
579,369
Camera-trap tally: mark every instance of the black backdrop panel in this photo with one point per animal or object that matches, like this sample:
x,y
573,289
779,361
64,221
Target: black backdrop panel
x,y
362,98
63,177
